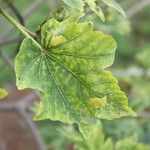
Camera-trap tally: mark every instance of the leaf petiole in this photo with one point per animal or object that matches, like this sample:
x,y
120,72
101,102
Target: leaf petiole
x,y
20,27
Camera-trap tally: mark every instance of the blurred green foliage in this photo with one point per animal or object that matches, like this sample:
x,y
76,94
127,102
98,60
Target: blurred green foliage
x,y
58,137
143,58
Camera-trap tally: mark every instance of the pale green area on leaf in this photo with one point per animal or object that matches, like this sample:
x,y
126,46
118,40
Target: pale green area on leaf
x,y
114,4
77,4
3,93
71,73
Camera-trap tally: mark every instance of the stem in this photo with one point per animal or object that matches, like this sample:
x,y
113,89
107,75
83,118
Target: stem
x,y
20,27
29,32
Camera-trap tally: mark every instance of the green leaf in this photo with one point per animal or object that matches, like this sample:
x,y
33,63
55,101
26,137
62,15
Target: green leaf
x,y
94,7
93,4
112,3
3,93
77,4
69,74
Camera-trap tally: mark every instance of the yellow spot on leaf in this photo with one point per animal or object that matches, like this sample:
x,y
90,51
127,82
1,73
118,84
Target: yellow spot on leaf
x,y
57,40
98,102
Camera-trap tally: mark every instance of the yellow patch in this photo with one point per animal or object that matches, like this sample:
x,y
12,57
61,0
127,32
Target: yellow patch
x,y
98,102
57,40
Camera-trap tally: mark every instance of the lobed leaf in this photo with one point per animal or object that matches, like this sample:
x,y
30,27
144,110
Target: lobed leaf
x,y
70,73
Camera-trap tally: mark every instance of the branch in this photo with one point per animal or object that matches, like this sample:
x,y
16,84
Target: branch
x,y
31,127
6,41
2,142
137,8
20,108
129,72
32,7
144,115
21,28
20,19
16,12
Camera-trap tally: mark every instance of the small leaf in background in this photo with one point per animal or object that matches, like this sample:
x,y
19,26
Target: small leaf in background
x,y
94,7
112,3
3,93
71,74
77,4
93,4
